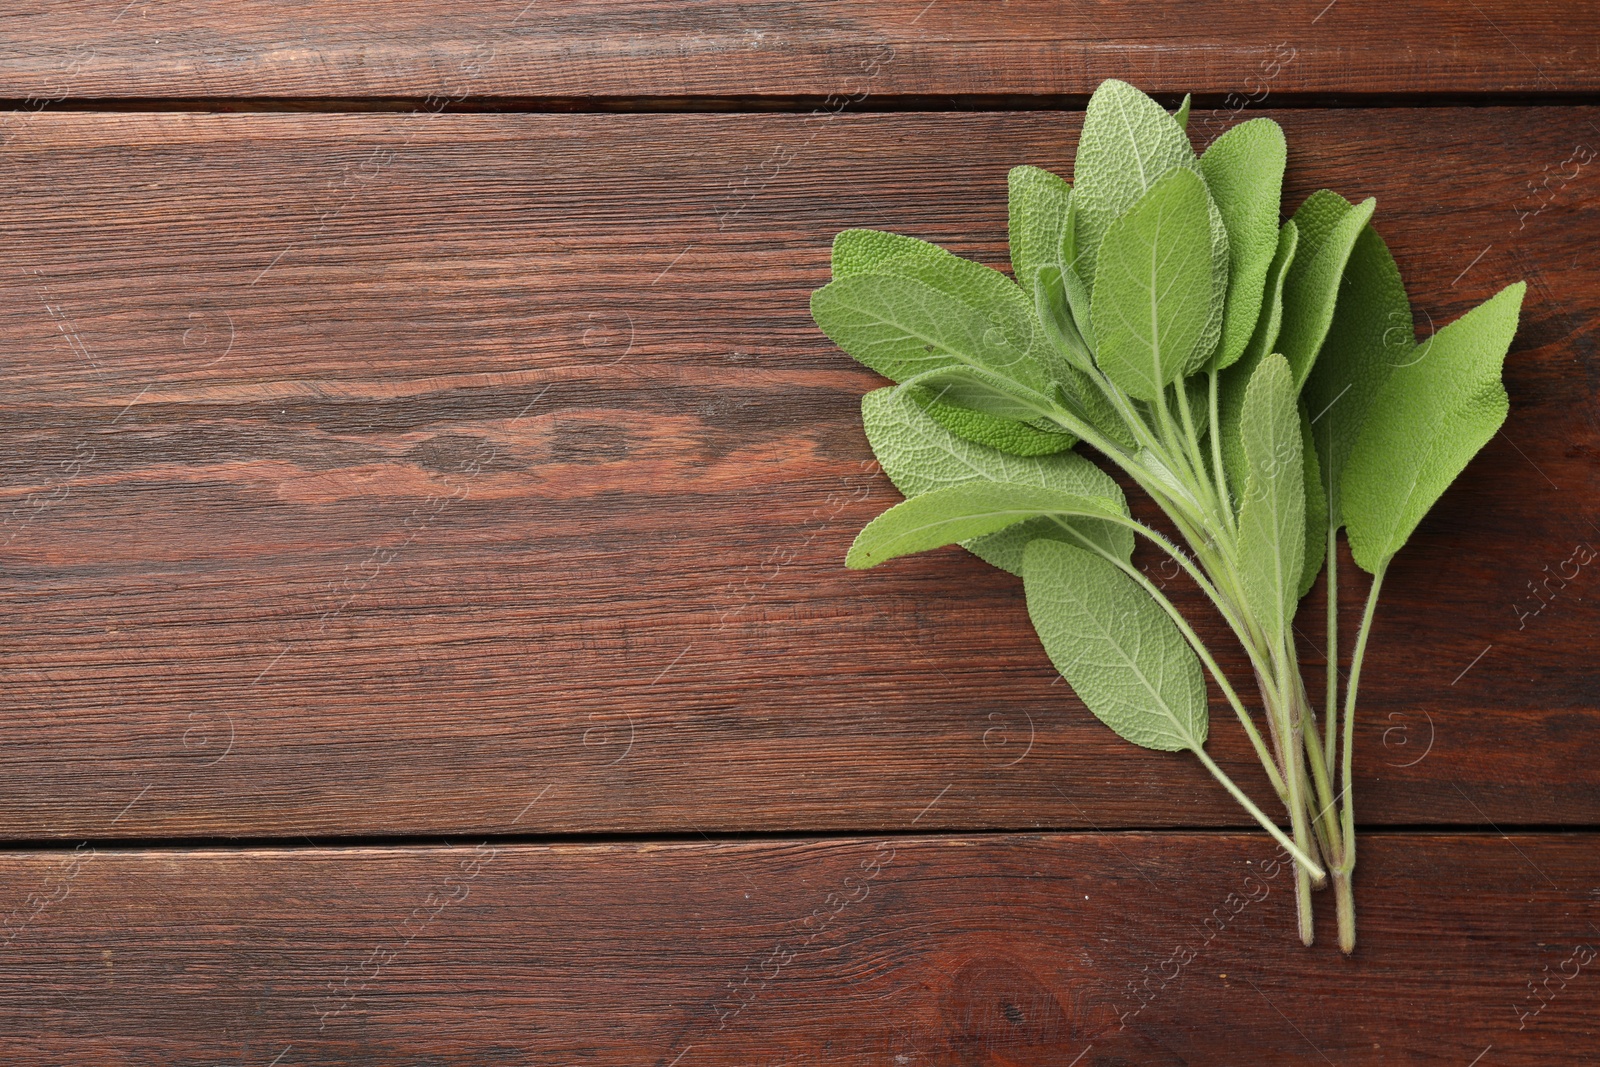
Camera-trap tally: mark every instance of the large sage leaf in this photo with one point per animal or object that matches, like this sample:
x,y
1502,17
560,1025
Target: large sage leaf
x,y
902,327
1154,302
1431,418
1128,144
963,512
865,252
1272,513
920,455
1122,654
1371,334
1243,170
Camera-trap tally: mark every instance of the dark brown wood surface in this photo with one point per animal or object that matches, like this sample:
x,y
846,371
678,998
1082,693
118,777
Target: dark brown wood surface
x,y
352,497
665,49
423,628
1147,950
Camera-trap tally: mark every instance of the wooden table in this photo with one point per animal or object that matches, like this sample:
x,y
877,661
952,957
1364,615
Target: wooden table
x,y
425,634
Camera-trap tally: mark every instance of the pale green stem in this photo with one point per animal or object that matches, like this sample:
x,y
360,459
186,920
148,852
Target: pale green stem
x,y
1290,731
1347,811
1223,605
1174,508
1224,496
1326,815
1242,625
1299,854
1344,890
1331,696
1344,896
1197,461
1169,430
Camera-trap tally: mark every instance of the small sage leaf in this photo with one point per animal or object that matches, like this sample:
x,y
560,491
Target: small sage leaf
x,y
1237,377
1038,209
1243,170
920,455
962,512
1008,435
1122,654
979,390
1272,513
1316,525
1050,298
1312,286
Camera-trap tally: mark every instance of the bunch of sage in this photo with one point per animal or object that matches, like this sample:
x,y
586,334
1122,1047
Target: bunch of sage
x,y
1260,380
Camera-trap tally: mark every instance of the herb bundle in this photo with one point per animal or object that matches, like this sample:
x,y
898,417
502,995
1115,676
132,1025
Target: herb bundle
x,y
1261,382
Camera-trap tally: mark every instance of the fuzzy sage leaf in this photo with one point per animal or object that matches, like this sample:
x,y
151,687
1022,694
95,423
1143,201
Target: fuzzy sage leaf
x,y
1123,657
1432,416
1272,515
963,512
1244,171
921,455
1154,304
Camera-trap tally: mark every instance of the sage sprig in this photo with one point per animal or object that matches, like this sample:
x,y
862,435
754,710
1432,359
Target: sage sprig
x,y
1259,379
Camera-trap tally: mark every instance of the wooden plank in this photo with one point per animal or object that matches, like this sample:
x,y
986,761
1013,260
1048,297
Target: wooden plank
x,y
372,474
1024,950
630,49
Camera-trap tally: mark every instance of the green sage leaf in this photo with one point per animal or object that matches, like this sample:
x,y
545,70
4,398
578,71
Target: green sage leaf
x,y
1371,334
1237,377
963,512
902,327
1272,512
1129,142
1243,170
1311,288
1264,340
1154,302
1122,654
859,252
979,390
920,455
1008,435
1432,416
1055,316
1038,204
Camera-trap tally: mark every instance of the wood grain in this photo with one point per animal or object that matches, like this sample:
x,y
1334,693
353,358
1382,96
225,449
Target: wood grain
x,y
1154,950
631,49
376,474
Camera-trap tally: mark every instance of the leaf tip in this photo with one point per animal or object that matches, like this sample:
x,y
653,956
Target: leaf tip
x,y
860,557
